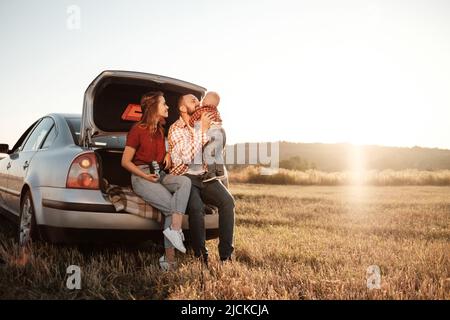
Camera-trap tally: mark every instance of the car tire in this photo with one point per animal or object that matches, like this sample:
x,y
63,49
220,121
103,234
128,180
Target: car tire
x,y
28,229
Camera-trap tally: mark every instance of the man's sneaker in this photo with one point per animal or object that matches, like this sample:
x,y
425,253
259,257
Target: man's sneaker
x,y
224,260
176,237
166,265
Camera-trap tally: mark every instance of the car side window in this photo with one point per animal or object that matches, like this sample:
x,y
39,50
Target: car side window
x,y
23,138
50,138
37,136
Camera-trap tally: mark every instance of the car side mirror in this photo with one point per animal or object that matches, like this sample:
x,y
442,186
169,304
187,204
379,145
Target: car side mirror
x,y
4,148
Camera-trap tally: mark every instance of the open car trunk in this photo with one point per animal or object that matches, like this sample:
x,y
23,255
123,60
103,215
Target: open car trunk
x,y
108,99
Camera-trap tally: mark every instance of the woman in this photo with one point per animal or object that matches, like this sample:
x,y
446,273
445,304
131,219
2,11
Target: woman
x,y
167,193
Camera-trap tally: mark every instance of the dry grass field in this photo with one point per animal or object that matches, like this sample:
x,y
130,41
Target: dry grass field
x,y
292,242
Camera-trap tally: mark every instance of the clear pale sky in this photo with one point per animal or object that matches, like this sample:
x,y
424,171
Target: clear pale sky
x,y
364,72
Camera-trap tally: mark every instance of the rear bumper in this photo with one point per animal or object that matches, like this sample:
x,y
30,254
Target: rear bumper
x,y
56,214
65,215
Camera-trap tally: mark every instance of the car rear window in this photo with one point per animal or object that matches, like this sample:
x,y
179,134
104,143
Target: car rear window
x,y
101,142
74,125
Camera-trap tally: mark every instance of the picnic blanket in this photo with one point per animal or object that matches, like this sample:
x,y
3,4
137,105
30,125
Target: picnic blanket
x,y
124,199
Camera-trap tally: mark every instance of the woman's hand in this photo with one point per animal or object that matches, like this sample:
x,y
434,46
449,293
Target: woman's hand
x,y
167,162
152,177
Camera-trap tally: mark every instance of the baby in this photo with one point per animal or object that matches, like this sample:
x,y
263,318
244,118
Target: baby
x,y
216,135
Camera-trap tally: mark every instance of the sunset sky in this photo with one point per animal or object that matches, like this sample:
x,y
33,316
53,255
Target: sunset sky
x,y
363,72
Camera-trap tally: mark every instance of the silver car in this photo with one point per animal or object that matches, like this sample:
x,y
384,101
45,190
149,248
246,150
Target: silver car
x,y
51,180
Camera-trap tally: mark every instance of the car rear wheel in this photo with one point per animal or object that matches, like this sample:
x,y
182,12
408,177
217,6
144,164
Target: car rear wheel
x,y
27,226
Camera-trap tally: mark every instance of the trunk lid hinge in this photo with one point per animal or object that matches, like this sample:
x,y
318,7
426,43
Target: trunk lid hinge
x,y
87,143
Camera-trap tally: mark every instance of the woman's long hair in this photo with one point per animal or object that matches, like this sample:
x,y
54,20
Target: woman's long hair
x,y
150,118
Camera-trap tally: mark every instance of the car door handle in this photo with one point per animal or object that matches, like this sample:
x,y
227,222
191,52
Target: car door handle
x,y
25,165
8,166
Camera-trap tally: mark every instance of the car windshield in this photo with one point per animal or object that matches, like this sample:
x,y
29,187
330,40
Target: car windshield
x,y
103,142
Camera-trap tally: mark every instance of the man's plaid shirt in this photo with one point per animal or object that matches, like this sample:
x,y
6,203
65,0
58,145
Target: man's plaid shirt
x,y
185,146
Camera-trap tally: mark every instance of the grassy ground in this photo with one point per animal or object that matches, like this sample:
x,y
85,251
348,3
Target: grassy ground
x,y
292,242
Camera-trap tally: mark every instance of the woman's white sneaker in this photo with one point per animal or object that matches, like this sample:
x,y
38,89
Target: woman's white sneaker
x,y
176,237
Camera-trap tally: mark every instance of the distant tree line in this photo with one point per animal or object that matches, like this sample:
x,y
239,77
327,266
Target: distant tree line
x,y
297,163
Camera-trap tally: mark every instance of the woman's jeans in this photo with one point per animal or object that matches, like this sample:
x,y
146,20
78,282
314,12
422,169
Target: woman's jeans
x,y
169,196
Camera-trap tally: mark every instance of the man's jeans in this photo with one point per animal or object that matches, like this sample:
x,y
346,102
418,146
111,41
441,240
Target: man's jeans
x,y
216,194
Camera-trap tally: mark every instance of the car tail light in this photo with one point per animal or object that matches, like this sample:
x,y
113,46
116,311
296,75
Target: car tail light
x,y
83,172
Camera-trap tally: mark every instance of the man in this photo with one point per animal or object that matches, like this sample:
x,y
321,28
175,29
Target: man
x,y
186,147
